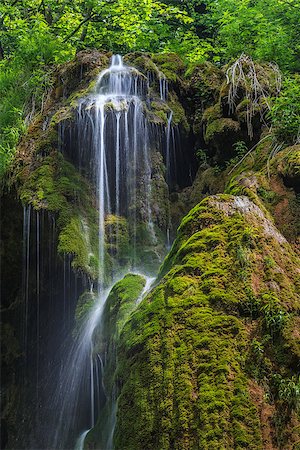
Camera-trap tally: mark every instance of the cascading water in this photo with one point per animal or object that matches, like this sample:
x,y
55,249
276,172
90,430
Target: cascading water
x,y
113,123
114,144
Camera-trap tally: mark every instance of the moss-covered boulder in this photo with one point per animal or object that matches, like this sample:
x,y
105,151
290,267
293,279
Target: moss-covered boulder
x,y
121,302
204,84
189,368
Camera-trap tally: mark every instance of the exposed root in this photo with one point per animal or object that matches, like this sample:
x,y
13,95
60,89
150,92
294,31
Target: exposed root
x,y
254,81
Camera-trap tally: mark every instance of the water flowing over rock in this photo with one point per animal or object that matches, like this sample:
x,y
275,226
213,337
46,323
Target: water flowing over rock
x,y
110,141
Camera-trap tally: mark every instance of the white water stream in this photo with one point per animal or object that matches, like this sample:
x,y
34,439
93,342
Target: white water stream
x,y
114,138
113,409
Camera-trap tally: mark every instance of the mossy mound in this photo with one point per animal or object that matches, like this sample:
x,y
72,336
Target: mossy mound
x,y
186,354
204,84
168,65
221,131
121,301
77,74
170,69
206,80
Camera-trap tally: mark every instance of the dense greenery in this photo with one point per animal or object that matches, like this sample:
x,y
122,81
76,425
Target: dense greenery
x,y
35,34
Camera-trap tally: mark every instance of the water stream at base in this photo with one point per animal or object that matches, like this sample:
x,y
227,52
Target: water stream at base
x,y
113,406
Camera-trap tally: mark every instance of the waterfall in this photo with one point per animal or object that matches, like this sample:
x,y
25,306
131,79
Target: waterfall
x,y
113,143
129,163
113,138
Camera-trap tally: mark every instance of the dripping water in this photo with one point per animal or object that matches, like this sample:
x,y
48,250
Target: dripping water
x,y
163,87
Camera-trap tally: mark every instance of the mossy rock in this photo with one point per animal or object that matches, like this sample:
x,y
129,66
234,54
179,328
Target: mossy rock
x,y
159,192
160,113
56,186
74,239
183,353
121,302
148,247
170,64
212,113
85,304
287,163
141,61
220,136
117,240
179,114
263,180
79,72
205,81
221,128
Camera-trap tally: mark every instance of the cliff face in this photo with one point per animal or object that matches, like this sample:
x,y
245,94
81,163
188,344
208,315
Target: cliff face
x,y
210,358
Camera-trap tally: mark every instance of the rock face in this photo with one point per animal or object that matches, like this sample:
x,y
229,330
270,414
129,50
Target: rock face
x,y
219,328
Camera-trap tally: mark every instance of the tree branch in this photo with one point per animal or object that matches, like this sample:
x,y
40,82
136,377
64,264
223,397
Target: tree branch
x,y
78,27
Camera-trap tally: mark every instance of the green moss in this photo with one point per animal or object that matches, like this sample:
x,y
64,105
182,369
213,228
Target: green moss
x,y
141,61
121,302
170,64
206,79
84,305
271,183
212,113
287,163
148,247
57,187
292,339
179,116
183,353
220,127
237,186
74,239
161,112
63,114
117,239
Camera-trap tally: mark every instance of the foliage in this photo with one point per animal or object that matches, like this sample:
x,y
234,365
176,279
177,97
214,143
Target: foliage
x,y
240,150
266,30
273,315
285,112
288,390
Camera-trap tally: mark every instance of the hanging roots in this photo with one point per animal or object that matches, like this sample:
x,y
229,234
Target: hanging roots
x,y
257,82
